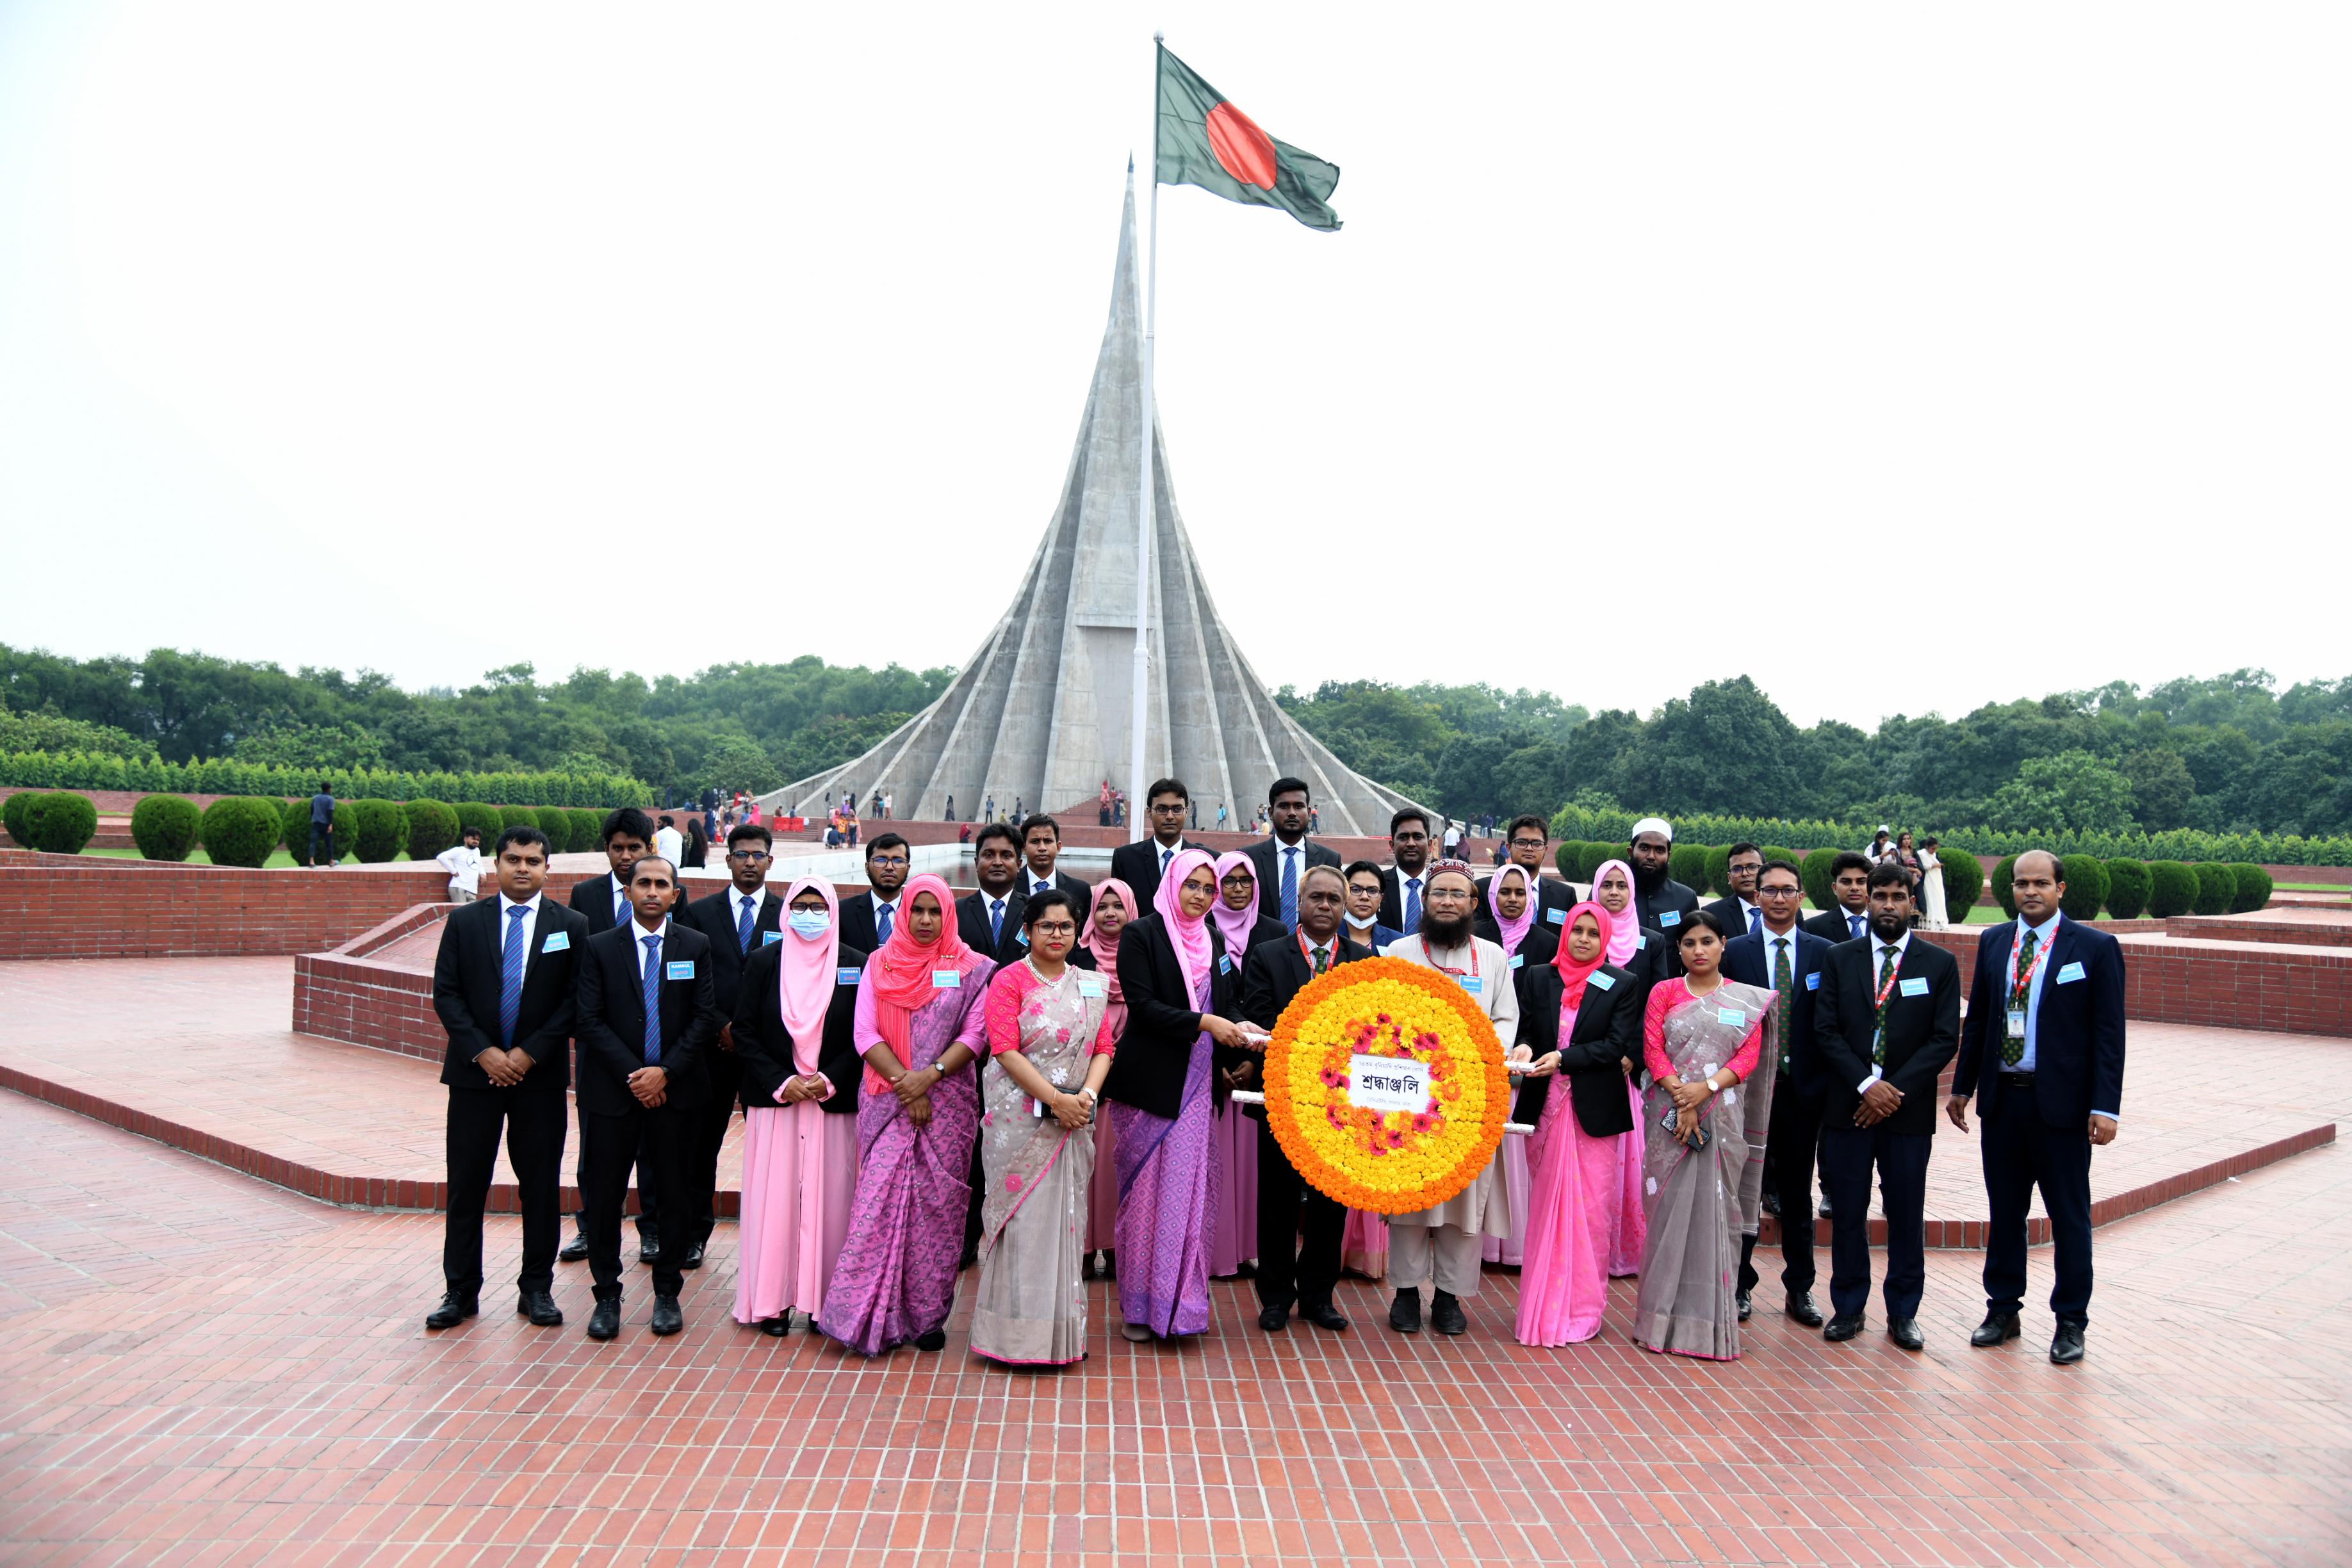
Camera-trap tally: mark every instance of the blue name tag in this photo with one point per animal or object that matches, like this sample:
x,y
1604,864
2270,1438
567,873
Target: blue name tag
x,y
1517,959
1023,936
1813,981
1557,916
2069,974
559,942
1224,963
1605,982
1090,989
1914,988
679,968
1640,941
846,976
768,938
946,980
1470,983
1671,918
1731,1016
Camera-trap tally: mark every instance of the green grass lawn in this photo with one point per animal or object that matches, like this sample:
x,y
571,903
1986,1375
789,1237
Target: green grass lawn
x,y
2338,889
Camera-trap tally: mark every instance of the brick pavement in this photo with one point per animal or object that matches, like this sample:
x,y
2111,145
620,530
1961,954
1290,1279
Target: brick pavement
x,y
203,1369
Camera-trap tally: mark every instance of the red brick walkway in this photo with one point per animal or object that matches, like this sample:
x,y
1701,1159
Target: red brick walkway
x,y
198,1368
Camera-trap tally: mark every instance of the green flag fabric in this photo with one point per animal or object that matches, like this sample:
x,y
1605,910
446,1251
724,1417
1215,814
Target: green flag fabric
x,y
1206,141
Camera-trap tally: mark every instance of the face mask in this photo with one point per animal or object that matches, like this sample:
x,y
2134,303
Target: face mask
x,y
810,924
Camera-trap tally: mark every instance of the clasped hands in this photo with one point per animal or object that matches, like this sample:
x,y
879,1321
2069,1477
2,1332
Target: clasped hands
x,y
1527,1064
503,1069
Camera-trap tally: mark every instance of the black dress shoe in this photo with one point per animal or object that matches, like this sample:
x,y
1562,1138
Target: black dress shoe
x,y
1446,1314
777,1327
604,1322
1772,1203
1247,1268
2067,1348
1822,1207
1801,1307
1404,1312
937,1340
1274,1320
1326,1316
1110,1263
1089,1268
575,1250
1843,1327
668,1318
693,1258
648,1245
1997,1328
1905,1332
1746,1305
453,1310
541,1308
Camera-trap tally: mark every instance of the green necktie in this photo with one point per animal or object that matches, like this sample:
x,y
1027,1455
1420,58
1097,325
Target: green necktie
x,y
1878,1042
1784,981
1322,960
2021,987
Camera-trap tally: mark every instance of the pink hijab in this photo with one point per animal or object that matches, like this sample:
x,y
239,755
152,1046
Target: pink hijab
x,y
1625,930
1190,938
1236,924
805,978
1513,931
1106,951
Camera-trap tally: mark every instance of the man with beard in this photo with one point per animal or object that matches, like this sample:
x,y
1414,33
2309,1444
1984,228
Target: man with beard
x,y
1405,884
1444,1245
1523,840
1661,900
1284,859
1742,913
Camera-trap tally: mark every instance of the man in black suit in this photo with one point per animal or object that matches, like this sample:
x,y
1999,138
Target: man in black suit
x,y
1848,920
1139,864
989,920
1283,861
1662,901
604,903
1041,847
1741,912
738,922
867,918
1782,957
648,1013
502,984
1885,1020
1272,973
1403,886
1525,839
2044,1053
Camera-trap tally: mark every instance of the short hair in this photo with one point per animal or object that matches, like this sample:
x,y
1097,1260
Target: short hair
x,y
1285,785
521,835
1528,819
627,819
1693,918
1359,868
1743,847
1848,860
1890,871
1331,871
471,830
750,830
1037,820
874,846
1052,897
995,830
1167,786
2057,866
667,820
1407,815
1777,864
645,860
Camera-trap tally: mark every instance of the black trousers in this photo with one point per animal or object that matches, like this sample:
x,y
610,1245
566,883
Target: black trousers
x,y
322,843
1788,1146
2020,1153
656,1142
726,1070
1309,1279
1848,1154
646,1217
533,1123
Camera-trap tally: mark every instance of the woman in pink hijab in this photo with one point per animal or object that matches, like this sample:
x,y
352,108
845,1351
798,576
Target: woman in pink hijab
x,y
1233,1248
791,1030
1641,955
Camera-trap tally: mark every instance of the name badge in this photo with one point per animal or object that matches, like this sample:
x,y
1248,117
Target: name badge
x,y
1517,959
769,938
2016,1023
1605,982
1023,936
1470,983
2071,974
1813,981
1915,988
1731,1016
847,976
1224,963
946,980
557,941
1671,918
1556,917
679,968
1641,940
1090,989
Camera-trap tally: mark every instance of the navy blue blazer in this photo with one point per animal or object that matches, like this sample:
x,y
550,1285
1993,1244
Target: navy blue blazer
x,y
1747,960
2078,1030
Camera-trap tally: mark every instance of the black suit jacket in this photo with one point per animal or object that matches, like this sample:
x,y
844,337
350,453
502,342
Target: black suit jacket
x,y
765,1048
1923,1032
1138,865
857,920
1156,1052
1275,971
971,924
1831,926
1081,891
2078,1027
612,1023
469,974
1734,917
1392,896
1749,959
714,917
1673,899
1265,860
594,900
1608,1032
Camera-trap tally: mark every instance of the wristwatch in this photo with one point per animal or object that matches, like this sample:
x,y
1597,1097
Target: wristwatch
x,y
935,1067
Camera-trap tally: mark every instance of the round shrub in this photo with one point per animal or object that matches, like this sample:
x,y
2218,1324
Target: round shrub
x,y
1686,863
1779,852
2172,888
1565,859
474,814
295,830
166,826
1964,880
1591,855
2000,894
556,823
2127,889
379,831
2253,890
517,816
241,829
432,828
14,814
1718,870
2086,887
2217,885
61,823
587,830
1817,878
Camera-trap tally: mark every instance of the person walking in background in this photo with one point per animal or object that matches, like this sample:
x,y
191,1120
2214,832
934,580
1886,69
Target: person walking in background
x,y
322,828
462,861
668,842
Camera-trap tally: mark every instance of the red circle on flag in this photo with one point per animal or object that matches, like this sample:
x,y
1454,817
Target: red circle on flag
x,y
1243,150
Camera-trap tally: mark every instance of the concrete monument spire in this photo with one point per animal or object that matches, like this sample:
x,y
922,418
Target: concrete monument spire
x,y
1042,711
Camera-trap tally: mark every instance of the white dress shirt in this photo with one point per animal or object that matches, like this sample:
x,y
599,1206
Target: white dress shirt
x,y
738,901
530,924
1878,950
464,864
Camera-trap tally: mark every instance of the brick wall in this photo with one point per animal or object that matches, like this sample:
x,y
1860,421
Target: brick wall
x,y
73,906
2297,990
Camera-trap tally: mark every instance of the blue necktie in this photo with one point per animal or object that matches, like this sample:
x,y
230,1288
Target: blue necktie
x,y
1755,919
882,923
743,926
1853,924
1413,907
510,975
1290,887
996,920
653,1000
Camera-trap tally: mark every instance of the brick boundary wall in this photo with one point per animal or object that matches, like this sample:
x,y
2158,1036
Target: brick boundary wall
x,y
2292,990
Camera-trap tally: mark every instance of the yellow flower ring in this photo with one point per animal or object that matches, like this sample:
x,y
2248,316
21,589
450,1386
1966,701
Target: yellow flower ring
x,y
1387,1161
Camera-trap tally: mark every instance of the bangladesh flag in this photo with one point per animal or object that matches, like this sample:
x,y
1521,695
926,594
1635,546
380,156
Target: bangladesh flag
x,y
1207,140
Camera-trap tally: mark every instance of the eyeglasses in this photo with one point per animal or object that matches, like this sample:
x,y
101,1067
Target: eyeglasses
x,y
1448,896
1055,928
886,861
1177,809
749,857
1778,892
1527,843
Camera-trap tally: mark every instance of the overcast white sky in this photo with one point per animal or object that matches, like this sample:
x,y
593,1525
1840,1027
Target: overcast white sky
x,y
2031,319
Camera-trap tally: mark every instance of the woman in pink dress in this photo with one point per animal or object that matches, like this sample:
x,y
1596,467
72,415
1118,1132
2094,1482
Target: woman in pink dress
x,y
1642,954
1114,906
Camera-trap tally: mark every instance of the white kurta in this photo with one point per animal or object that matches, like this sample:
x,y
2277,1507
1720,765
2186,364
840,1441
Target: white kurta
x,y
1484,1206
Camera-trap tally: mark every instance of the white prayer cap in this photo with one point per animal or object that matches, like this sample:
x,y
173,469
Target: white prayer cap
x,y
1658,825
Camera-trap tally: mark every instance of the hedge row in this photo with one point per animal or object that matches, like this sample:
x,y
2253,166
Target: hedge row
x,y
243,830
2159,890
90,770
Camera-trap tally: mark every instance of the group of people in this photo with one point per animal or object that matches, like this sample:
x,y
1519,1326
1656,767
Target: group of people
x,y
1923,864
1036,1079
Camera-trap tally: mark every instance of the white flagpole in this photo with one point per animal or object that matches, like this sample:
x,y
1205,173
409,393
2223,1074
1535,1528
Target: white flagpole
x,y
1137,806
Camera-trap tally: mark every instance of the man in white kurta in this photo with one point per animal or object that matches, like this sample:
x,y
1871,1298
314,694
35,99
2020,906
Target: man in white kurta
x,y
1443,1246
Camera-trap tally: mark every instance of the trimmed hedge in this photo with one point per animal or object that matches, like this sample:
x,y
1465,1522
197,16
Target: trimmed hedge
x,y
241,829
379,831
587,830
152,776
14,816
1781,852
2172,888
518,816
60,823
2253,890
297,829
432,828
1686,863
1718,872
2127,888
2216,887
166,826
1964,881
1816,869
556,823
474,814
2086,887
2000,893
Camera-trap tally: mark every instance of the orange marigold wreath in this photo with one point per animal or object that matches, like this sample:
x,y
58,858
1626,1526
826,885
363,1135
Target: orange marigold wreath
x,y
1336,1035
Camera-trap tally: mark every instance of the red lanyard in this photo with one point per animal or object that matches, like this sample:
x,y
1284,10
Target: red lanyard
x,y
2021,981
1443,970
1892,975
1307,952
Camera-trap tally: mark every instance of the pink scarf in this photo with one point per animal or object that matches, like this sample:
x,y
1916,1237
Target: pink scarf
x,y
1513,931
900,974
1105,950
1190,938
1236,924
1625,929
805,978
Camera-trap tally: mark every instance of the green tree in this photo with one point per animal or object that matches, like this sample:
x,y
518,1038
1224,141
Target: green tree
x,y
2073,789
2161,787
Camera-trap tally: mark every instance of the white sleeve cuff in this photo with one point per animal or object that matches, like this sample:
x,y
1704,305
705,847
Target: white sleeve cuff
x,y
1863,1087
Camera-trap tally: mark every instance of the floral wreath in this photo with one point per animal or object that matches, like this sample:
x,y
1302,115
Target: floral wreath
x,y
1397,1161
